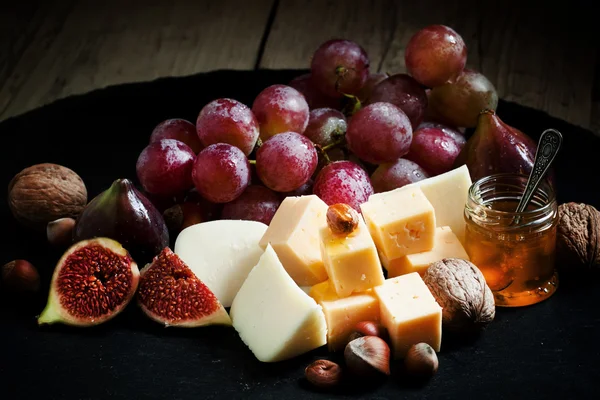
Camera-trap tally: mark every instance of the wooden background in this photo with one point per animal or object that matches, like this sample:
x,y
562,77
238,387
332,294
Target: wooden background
x,y
536,54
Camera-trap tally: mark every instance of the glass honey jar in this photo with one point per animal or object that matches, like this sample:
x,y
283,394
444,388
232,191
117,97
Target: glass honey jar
x,y
514,251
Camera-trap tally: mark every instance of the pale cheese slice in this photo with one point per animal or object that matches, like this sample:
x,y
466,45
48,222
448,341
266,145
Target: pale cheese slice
x,y
221,253
274,317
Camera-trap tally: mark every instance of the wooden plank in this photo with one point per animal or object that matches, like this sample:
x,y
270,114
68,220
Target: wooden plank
x,y
23,25
300,26
112,42
18,23
534,56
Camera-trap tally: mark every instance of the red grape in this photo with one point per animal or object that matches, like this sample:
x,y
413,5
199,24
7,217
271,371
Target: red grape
x,y
394,175
448,130
379,133
278,109
257,203
286,161
228,121
178,129
210,211
372,81
165,167
303,190
435,54
334,154
460,102
315,98
324,124
340,67
162,202
221,173
343,182
403,91
435,150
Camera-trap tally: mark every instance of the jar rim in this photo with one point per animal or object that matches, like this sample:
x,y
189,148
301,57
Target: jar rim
x,y
544,186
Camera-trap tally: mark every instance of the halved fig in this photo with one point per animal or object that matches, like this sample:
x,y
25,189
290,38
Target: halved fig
x,y
171,294
93,282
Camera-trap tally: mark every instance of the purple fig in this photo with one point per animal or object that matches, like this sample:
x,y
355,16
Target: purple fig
x,y
124,214
496,147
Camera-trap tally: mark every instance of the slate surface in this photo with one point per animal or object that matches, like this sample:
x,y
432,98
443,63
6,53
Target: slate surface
x,y
545,351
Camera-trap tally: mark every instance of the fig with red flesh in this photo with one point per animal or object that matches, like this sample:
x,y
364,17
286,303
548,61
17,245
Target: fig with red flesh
x,y
93,282
171,294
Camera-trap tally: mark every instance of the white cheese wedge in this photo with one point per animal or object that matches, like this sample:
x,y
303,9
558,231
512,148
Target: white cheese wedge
x,y
448,194
274,317
221,253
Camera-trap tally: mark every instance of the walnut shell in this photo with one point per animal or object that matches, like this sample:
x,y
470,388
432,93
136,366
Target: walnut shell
x,y
460,289
578,235
45,192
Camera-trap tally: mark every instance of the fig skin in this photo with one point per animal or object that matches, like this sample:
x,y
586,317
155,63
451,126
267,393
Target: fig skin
x,y
124,214
496,147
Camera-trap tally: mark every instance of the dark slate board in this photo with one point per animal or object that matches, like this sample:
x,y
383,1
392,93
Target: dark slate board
x,y
545,351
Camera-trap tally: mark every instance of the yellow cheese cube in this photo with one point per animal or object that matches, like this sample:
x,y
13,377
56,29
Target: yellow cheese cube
x,y
400,223
343,313
351,262
446,245
410,313
294,235
448,194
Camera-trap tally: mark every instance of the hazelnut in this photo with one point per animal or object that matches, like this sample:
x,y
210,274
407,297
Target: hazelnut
x,y
342,219
368,328
323,374
45,192
173,217
60,232
183,215
421,361
20,276
460,289
368,357
578,235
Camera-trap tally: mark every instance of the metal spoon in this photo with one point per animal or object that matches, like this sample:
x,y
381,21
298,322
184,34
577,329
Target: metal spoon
x,y
548,147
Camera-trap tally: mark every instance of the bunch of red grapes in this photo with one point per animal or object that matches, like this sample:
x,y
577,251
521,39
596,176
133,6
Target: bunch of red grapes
x,y
340,132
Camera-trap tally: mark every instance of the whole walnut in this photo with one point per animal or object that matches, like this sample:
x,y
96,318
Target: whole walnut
x,y
46,192
578,235
460,289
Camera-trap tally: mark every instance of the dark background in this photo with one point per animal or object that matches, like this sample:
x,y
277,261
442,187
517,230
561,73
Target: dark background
x,y
539,54
545,351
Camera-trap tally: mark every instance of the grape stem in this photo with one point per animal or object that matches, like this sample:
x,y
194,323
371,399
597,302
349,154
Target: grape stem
x,y
323,152
332,144
252,162
353,106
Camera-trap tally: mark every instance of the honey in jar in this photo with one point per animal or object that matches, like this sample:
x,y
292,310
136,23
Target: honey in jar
x,y
514,251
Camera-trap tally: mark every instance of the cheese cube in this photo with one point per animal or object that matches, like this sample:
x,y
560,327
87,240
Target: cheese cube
x,y
401,223
343,313
446,245
351,261
294,235
410,313
448,193
274,317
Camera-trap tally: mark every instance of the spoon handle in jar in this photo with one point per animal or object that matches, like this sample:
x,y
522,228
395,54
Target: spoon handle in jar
x,y
548,147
